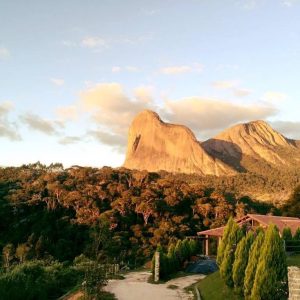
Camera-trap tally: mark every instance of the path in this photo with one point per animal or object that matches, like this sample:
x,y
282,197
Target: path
x,y
136,287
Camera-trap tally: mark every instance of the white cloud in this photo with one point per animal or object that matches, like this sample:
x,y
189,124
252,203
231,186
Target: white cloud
x,y
8,129
67,140
225,84
206,116
241,92
94,42
288,128
37,123
66,113
116,69
4,53
175,70
112,110
132,69
57,81
274,97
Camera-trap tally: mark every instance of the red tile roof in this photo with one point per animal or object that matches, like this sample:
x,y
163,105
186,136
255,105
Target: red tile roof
x,y
264,220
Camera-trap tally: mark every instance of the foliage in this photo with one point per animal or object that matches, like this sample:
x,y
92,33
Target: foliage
x,y
224,241
296,236
287,234
172,260
234,236
241,261
37,280
271,275
250,271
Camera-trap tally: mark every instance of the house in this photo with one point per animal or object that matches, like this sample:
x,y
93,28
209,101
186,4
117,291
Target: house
x,y
251,221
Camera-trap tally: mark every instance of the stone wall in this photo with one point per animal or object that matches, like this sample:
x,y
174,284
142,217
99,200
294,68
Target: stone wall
x,y
294,283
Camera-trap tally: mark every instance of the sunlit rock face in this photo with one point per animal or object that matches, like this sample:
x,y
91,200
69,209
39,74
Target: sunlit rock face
x,y
256,139
154,145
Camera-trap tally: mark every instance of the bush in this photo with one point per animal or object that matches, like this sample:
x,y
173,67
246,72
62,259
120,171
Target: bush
x,y
37,280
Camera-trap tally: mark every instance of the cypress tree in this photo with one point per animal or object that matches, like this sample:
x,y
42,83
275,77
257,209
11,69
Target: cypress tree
x,y
172,259
287,234
241,261
223,241
250,271
270,281
297,235
178,252
234,237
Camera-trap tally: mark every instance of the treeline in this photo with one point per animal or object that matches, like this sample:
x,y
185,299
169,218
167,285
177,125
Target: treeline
x,y
48,211
253,263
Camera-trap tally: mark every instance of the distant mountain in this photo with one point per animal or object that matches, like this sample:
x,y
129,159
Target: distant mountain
x,y
154,145
244,144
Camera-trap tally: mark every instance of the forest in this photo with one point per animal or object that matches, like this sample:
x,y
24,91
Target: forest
x,y
55,220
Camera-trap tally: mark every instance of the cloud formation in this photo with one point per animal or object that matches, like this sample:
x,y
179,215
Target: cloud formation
x,y
225,84
67,140
37,123
112,110
4,53
94,42
8,129
175,70
207,116
67,113
274,97
288,128
57,81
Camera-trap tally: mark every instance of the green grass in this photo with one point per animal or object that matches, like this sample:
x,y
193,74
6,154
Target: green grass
x,y
213,288
293,260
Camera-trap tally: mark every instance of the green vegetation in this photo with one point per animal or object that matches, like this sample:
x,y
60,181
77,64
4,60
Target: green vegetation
x,y
241,261
250,270
233,238
212,287
173,259
271,274
51,215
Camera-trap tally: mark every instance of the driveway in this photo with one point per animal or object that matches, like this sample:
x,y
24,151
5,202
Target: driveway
x,y
136,287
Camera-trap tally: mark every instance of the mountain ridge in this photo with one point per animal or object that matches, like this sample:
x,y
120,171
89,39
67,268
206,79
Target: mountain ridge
x,y
155,145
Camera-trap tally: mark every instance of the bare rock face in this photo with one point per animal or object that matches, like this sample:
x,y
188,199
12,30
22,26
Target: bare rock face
x,y
154,145
255,139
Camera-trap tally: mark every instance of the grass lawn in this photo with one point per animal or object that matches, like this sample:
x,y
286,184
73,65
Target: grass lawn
x,y
293,260
213,288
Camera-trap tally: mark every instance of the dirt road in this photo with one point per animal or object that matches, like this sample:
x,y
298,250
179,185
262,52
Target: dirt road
x,y
136,287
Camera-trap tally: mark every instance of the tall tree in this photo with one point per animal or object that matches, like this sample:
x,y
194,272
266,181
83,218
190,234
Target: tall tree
x,y
241,261
250,271
234,237
224,241
271,275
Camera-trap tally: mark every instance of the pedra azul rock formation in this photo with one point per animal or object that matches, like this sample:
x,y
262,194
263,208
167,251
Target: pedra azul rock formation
x,y
154,145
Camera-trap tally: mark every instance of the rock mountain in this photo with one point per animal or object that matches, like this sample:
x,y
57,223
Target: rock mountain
x,y
154,145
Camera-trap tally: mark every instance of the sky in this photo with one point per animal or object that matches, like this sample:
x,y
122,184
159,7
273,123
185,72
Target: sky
x,y
73,74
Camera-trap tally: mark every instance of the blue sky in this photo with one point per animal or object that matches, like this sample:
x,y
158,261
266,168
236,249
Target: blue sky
x,y
74,73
